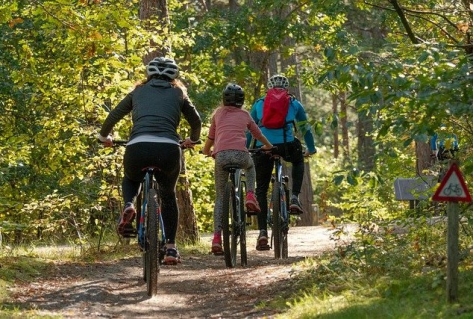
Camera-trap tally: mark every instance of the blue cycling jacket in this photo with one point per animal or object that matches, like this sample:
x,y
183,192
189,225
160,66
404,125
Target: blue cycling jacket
x,y
444,140
296,114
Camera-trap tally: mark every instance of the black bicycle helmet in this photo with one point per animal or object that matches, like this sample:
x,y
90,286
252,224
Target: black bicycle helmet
x,y
162,67
233,95
278,81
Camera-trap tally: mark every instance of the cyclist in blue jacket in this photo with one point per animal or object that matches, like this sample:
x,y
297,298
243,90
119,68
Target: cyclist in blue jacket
x,y
443,145
289,147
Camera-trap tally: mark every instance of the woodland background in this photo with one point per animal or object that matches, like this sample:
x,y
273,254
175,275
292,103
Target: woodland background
x,y
377,79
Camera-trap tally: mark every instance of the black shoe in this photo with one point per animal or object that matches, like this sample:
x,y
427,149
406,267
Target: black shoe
x,y
295,206
262,241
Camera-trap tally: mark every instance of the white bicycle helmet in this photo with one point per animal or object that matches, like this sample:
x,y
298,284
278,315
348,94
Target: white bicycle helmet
x,y
278,81
163,66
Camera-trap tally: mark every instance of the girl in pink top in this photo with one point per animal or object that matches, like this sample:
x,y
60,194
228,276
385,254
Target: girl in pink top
x,y
229,124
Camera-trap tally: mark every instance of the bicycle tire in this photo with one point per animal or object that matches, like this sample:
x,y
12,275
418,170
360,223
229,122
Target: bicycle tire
x,y
286,204
151,251
276,220
226,225
284,244
141,243
243,224
234,229
284,220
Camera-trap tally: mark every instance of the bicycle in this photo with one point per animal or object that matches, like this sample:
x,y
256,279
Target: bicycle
x,y
234,217
278,208
149,230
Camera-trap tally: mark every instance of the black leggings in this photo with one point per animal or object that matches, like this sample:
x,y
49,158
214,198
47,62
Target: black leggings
x,y
167,157
291,152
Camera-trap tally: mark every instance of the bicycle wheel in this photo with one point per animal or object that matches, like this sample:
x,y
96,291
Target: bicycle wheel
x,y
151,251
227,227
234,231
242,223
276,221
286,218
140,231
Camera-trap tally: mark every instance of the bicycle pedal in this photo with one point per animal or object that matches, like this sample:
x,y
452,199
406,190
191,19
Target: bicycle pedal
x,y
263,247
217,251
129,235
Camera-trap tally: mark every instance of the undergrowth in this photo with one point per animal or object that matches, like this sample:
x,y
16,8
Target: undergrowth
x,y
385,273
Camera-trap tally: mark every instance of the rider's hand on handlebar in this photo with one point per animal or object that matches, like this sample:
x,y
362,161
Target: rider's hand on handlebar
x,y
206,152
308,153
108,141
266,147
188,143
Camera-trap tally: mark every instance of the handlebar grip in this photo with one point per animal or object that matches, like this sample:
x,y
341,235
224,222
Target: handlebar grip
x,y
115,142
260,150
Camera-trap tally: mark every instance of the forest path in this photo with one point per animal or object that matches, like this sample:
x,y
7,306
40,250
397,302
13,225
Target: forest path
x,y
200,287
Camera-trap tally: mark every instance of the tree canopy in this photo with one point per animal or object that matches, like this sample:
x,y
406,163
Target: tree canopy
x,y
64,64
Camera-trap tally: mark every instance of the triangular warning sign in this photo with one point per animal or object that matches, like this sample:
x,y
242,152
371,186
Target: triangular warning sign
x,y
453,187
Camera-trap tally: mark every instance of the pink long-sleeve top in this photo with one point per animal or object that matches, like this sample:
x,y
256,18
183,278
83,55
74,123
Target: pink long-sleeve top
x,y
228,127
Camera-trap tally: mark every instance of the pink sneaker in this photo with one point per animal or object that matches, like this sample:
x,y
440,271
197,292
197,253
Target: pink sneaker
x,y
125,227
251,203
216,248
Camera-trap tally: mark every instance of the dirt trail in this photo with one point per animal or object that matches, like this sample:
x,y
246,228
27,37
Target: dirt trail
x,y
199,287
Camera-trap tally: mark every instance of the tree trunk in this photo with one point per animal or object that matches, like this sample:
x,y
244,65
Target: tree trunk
x,y
306,199
155,9
423,158
258,60
365,143
336,127
306,195
233,5
187,225
344,128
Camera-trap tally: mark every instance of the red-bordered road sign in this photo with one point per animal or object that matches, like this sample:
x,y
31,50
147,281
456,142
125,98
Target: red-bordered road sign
x,y
453,187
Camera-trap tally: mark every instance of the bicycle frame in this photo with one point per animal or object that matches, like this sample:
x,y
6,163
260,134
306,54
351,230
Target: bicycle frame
x,y
150,227
280,216
142,202
150,230
234,218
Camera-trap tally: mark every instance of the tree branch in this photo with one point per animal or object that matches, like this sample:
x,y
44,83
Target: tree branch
x,y
67,24
404,21
437,25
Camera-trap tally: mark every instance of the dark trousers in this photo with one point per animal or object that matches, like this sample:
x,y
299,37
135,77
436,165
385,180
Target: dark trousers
x,y
165,156
291,152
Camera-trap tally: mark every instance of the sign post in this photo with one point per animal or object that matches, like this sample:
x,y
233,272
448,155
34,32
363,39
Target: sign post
x,y
452,189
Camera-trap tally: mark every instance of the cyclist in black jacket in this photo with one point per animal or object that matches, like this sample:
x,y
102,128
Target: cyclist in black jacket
x,y
156,106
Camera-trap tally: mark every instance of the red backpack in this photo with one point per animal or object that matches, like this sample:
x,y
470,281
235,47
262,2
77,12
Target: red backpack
x,y
275,108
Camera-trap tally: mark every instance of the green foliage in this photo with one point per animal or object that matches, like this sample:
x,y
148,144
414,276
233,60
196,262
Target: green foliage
x,y
64,65
202,185
385,273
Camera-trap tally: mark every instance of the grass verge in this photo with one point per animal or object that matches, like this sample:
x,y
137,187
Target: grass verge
x,y
382,276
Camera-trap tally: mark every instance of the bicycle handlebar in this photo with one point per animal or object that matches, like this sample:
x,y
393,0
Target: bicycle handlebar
x,y
271,151
124,143
261,150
